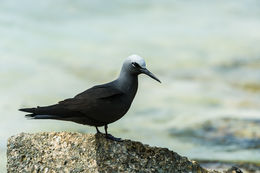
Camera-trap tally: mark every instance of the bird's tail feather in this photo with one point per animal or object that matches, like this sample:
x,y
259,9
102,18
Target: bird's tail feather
x,y
34,116
30,116
47,112
27,109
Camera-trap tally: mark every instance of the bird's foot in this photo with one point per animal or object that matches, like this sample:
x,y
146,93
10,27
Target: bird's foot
x,y
108,136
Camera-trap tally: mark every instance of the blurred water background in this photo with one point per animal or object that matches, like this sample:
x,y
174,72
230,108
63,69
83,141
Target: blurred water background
x,y
206,54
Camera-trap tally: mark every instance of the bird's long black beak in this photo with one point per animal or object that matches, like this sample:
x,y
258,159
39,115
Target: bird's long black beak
x,y
147,72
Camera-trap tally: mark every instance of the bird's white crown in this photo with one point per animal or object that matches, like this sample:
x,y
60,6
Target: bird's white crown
x,y
137,59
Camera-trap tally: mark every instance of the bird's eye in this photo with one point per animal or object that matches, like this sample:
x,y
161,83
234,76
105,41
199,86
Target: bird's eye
x,y
136,65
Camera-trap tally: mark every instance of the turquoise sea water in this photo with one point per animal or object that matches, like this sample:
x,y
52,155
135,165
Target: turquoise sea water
x,y
205,53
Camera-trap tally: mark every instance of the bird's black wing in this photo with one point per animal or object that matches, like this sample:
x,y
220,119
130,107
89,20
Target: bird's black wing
x,y
101,103
98,105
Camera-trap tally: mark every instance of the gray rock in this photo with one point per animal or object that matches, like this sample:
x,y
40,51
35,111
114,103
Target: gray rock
x,y
77,152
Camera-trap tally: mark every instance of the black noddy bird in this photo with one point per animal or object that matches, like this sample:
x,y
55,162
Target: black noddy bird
x,y
101,104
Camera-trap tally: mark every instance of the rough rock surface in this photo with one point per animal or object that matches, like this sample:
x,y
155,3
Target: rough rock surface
x,y
76,152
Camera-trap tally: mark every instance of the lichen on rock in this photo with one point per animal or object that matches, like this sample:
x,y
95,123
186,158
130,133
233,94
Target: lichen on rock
x,y
77,152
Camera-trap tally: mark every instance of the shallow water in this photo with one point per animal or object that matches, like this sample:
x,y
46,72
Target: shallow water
x,y
206,54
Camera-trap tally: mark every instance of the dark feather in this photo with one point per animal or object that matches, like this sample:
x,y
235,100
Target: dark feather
x,y
84,108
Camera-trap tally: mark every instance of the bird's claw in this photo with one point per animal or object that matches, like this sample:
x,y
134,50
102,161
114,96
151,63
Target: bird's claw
x,y
108,136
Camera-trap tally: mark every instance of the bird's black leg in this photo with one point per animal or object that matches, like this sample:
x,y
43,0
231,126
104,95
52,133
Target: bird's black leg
x,y
108,136
97,130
